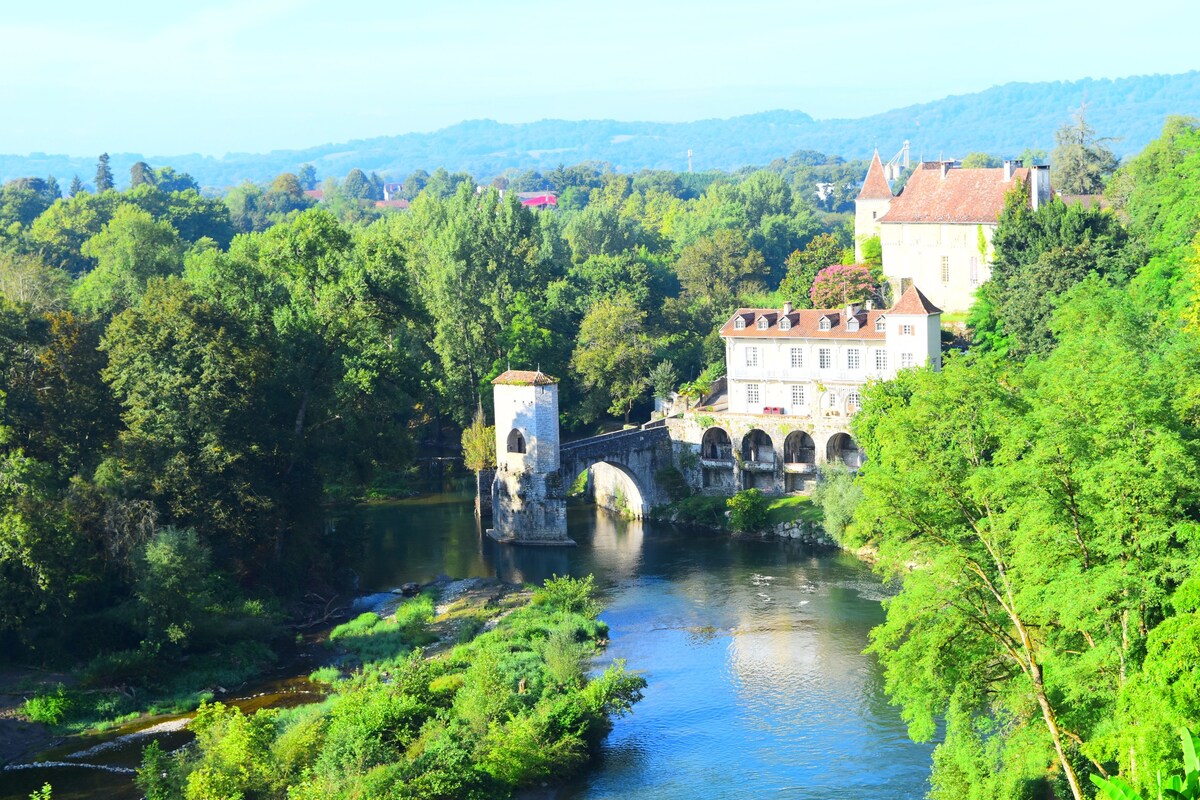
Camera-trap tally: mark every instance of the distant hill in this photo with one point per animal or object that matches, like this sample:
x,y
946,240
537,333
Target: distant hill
x,y
1002,120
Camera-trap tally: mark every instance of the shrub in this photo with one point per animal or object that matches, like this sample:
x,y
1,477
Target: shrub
x,y
838,495
325,675
749,510
569,595
564,657
49,709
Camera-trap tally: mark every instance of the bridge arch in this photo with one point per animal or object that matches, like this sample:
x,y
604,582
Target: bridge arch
x,y
616,487
716,445
799,448
758,460
842,449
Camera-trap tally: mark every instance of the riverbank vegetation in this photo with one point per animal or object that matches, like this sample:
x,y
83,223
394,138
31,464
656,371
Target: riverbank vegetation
x,y
1040,501
508,708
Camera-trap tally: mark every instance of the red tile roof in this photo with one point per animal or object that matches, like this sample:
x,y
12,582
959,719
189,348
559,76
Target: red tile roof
x,y
543,199
399,203
524,377
914,302
805,324
875,187
963,196
315,194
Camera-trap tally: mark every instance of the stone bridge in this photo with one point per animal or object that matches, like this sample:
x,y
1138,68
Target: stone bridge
x,y
621,467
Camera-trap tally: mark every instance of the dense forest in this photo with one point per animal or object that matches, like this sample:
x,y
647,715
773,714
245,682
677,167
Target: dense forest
x,y
1039,500
1003,120
187,381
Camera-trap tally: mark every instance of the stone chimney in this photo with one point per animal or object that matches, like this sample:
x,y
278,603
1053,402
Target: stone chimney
x,y
851,310
946,166
1010,166
870,305
787,307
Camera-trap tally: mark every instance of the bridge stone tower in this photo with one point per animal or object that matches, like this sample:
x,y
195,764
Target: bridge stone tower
x,y
528,501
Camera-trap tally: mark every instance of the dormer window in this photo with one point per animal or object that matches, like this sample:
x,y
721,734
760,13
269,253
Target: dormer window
x,y
739,323
852,324
762,323
785,324
880,327
824,324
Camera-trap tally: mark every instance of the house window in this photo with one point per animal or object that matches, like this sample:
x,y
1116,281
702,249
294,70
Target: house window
x,y
906,360
874,215
833,400
751,356
906,330
853,402
752,394
824,324
880,326
797,357
797,397
881,360
739,323
762,323
853,358
945,269
825,357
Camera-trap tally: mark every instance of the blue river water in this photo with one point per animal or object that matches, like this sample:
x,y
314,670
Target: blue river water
x,y
758,686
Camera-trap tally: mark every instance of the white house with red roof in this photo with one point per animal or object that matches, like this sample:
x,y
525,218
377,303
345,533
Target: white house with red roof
x,y
813,362
937,232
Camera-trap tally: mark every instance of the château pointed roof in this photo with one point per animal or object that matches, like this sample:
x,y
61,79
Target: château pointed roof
x,y
875,187
915,303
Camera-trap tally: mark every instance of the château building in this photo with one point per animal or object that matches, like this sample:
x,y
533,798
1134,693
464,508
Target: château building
x,y
937,232
811,362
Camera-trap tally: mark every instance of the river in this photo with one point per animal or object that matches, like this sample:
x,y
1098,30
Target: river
x,y
758,686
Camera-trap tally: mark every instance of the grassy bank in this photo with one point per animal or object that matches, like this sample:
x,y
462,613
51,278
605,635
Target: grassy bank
x,y
503,704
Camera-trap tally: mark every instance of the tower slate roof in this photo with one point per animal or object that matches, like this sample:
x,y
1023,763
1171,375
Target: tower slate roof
x,y
875,187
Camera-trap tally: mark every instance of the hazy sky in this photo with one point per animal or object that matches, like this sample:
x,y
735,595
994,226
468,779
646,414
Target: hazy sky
x,y
214,76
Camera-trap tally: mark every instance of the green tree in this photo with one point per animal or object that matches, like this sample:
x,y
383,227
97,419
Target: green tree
x,y
356,185
1081,161
664,379
822,251
169,180
1039,255
979,160
307,176
104,176
612,355
129,250
140,174
76,186
190,381
715,269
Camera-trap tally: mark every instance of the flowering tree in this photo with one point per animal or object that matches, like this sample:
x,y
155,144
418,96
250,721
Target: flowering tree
x,y
840,284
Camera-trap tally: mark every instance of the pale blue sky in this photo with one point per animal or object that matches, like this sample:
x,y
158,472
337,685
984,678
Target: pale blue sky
x,y
215,76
